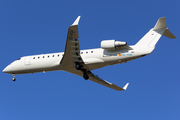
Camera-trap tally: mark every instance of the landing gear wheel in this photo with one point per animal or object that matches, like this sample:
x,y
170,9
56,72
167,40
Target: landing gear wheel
x,y
85,76
78,66
14,79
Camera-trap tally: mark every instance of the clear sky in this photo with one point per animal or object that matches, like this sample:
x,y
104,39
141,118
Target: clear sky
x,y
29,27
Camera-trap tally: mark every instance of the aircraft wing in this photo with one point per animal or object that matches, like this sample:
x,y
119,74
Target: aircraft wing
x,y
96,79
72,56
72,50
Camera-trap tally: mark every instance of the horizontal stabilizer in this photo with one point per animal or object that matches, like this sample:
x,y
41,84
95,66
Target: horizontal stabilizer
x,y
168,34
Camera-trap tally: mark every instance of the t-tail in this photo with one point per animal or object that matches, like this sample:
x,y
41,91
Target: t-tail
x,y
152,37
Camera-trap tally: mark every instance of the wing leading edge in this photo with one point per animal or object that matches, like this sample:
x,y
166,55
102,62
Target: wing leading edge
x,y
72,50
72,58
96,79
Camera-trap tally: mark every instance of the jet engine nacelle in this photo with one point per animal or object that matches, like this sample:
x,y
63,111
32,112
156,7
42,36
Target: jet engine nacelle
x,y
112,44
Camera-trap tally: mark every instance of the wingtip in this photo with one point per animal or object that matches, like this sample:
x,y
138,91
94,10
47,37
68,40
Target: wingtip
x,y
125,87
76,21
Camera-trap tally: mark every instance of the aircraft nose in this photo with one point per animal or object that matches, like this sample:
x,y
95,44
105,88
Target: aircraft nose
x,y
8,69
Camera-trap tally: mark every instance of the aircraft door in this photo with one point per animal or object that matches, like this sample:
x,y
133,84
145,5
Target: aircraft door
x,y
27,61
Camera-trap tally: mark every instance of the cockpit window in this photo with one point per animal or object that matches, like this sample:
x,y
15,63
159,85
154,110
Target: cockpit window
x,y
18,58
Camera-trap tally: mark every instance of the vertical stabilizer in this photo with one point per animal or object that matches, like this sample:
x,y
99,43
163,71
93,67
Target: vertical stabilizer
x,y
152,37
161,24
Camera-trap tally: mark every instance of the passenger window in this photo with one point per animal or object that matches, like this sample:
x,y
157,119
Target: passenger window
x,y
86,52
58,55
38,57
91,51
81,52
33,57
43,56
48,56
53,55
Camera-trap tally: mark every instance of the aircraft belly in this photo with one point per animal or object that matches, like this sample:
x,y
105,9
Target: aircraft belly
x,y
100,65
111,61
93,60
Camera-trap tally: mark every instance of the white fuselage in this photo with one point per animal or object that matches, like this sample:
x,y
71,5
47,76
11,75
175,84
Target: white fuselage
x,y
93,58
81,62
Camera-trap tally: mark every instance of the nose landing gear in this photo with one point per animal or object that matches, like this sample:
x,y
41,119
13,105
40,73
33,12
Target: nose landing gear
x,y
14,77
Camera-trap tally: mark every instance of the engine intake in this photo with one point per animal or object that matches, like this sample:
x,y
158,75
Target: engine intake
x,y
112,44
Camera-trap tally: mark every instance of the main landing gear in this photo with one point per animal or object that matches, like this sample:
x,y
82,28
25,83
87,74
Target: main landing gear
x,y
80,67
14,77
85,76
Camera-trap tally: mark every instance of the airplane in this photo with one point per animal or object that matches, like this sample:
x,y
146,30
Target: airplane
x,y
81,62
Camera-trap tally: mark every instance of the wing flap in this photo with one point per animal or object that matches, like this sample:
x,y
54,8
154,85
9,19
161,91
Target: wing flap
x,y
96,79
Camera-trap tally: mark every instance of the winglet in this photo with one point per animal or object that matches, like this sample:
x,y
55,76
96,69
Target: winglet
x,y
125,87
76,21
